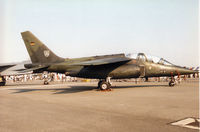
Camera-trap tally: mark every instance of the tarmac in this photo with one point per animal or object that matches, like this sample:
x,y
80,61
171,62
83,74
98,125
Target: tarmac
x,y
80,107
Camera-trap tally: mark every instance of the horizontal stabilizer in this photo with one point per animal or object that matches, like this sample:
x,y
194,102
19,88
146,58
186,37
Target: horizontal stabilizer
x,y
33,69
4,67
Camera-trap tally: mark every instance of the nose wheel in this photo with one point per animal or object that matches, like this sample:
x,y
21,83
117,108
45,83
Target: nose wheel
x,y
172,82
105,84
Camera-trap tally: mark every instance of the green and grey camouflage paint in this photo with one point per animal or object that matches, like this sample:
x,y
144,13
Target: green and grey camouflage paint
x,y
116,66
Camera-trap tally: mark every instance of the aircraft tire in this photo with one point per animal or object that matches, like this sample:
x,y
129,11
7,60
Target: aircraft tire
x,y
99,83
171,83
104,86
46,82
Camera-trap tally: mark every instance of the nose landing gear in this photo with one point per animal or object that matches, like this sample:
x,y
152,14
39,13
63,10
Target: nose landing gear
x,y
172,83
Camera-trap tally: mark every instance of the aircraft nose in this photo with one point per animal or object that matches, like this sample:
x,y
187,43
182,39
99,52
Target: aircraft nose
x,y
185,71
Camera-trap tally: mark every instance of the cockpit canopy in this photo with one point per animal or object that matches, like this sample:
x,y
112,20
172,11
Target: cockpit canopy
x,y
149,58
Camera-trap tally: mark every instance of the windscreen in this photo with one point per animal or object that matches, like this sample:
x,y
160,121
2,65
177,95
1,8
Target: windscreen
x,y
149,58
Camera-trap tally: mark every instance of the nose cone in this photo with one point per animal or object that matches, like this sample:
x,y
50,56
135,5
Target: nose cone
x,y
185,71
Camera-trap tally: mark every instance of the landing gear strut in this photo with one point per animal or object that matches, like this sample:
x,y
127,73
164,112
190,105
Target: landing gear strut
x,y
46,78
172,82
2,81
104,84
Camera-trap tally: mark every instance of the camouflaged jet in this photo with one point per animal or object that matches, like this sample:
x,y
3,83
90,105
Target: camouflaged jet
x,y
104,68
8,69
3,67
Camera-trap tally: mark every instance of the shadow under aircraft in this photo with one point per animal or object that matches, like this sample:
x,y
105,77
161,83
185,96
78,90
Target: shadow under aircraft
x,y
104,68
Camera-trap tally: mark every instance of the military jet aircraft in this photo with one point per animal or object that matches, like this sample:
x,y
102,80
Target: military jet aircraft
x,y
3,67
104,68
8,69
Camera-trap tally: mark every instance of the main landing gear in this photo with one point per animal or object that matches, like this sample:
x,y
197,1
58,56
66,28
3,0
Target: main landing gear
x,y
2,81
46,78
105,84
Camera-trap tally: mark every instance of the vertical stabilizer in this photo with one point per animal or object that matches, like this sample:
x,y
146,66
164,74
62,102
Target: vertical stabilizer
x,y
38,52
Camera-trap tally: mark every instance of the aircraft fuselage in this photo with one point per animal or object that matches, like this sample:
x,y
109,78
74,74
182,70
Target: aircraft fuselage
x,y
131,69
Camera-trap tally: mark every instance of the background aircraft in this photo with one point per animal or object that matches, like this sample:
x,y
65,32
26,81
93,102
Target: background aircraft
x,y
12,69
3,67
104,68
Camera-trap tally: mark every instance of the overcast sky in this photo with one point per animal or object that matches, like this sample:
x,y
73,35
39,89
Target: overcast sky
x,y
77,28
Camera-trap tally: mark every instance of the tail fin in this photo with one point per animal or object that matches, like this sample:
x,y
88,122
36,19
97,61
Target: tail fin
x,y
38,52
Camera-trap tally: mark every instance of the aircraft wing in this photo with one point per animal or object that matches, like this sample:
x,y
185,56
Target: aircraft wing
x,y
103,61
